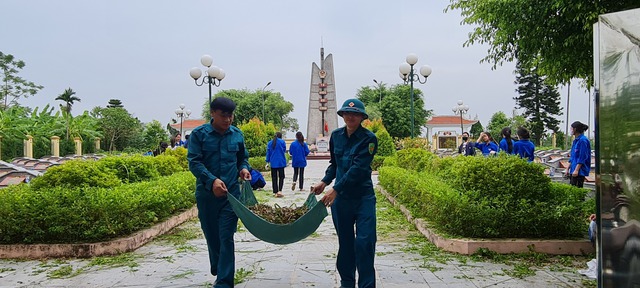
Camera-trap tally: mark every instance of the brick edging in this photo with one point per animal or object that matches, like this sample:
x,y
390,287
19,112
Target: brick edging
x,y
502,246
116,246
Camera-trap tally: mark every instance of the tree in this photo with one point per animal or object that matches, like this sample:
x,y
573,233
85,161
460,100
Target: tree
x,y
498,121
476,129
68,98
12,85
386,147
154,134
115,103
553,35
256,136
540,101
372,99
249,105
395,108
117,126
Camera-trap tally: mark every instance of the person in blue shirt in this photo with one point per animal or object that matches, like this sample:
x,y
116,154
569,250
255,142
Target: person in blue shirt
x,y
506,143
580,157
217,157
298,151
524,147
352,199
486,144
179,141
467,148
276,159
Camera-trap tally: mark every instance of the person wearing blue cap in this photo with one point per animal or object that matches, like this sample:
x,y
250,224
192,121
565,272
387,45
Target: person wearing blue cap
x,y
217,156
352,199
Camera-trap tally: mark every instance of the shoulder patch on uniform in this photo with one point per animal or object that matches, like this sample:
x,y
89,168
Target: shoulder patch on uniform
x,y
372,147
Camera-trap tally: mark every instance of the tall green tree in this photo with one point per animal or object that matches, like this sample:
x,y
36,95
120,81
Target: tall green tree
x,y
154,134
476,129
13,86
553,35
117,126
372,97
249,105
68,98
498,121
115,103
540,101
395,108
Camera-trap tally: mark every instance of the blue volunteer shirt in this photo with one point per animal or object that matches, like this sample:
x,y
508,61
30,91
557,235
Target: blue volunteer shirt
x,y
275,155
504,146
298,154
580,154
524,148
486,148
350,163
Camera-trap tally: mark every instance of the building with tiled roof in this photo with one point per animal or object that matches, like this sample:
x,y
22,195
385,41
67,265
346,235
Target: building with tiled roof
x,y
188,125
445,130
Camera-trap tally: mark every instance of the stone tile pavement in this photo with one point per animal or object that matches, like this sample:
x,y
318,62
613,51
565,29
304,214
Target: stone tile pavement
x,y
308,263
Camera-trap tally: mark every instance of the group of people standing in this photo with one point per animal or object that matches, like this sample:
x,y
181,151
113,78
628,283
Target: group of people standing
x,y
218,158
522,147
277,161
579,157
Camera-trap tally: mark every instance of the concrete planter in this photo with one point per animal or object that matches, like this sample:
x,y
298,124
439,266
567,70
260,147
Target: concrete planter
x,y
82,250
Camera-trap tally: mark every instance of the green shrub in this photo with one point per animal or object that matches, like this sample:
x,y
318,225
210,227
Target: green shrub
x,y
377,162
167,164
503,177
131,169
256,136
77,173
181,154
489,214
390,161
90,214
385,143
417,159
110,171
406,143
258,163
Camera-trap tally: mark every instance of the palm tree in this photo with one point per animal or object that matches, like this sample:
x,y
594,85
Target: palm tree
x,y
68,98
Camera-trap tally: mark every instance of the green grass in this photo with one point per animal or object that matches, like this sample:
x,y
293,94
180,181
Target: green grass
x,y
61,272
122,260
182,275
242,275
180,236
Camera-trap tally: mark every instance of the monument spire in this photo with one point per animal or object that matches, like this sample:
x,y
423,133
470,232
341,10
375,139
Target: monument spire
x,y
322,117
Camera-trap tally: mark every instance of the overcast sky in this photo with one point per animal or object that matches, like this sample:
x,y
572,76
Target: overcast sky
x,y
141,51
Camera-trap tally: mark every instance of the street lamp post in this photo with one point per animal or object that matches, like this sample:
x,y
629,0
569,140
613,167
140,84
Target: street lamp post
x,y
408,75
460,109
213,73
183,114
265,87
379,89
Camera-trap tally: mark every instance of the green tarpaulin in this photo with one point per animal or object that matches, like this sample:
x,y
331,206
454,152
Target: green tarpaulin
x,y
277,233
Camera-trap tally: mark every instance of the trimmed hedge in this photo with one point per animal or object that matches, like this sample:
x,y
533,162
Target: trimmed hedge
x,y
90,214
498,197
110,171
258,163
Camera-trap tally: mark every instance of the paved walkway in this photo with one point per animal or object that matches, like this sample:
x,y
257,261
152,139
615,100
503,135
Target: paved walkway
x,y
180,260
